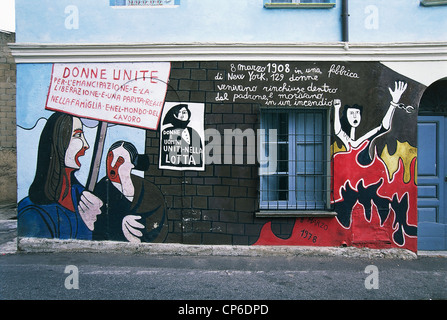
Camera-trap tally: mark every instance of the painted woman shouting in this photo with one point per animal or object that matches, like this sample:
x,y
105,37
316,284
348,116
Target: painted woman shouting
x,y
58,206
346,125
135,210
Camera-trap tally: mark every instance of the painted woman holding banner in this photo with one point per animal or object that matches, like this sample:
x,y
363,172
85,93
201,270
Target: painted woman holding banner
x,y
136,210
58,206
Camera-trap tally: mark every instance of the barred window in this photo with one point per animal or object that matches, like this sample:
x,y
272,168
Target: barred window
x,y
302,179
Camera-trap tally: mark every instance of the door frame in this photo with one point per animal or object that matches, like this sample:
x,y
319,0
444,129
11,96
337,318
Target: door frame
x,y
438,227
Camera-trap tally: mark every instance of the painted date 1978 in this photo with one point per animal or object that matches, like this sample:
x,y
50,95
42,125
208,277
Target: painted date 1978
x,y
308,236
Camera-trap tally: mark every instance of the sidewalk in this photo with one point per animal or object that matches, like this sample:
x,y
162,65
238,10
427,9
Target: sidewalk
x,y
9,245
8,211
8,229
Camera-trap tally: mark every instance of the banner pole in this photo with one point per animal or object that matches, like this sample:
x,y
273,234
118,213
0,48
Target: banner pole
x,y
97,154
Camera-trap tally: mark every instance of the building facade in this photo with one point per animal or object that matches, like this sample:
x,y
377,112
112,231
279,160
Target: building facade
x,y
301,123
8,159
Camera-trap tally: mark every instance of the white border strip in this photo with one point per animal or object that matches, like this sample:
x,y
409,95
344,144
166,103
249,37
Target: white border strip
x,y
339,51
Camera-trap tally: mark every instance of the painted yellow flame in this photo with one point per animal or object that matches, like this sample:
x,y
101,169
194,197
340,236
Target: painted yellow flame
x,y
335,148
404,151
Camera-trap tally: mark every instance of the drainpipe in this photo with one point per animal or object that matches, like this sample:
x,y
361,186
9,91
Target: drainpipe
x,y
345,21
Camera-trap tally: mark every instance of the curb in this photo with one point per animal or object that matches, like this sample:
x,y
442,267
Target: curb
x,y
34,245
9,247
8,237
433,254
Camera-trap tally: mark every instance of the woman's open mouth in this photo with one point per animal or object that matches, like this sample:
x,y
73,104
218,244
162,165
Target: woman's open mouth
x,y
78,155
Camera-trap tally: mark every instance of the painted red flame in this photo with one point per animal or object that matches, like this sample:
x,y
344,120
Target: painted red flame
x,y
361,232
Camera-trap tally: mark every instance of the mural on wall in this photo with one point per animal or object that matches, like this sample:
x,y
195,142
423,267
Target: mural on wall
x,y
122,205
94,117
182,137
373,145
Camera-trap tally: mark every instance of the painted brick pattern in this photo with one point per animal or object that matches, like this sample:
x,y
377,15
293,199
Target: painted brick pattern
x,y
218,205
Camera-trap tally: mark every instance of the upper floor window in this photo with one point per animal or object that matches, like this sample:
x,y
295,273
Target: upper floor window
x,y
144,3
299,3
431,3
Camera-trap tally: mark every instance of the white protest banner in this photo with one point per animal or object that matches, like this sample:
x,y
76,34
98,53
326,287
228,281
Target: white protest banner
x,y
131,94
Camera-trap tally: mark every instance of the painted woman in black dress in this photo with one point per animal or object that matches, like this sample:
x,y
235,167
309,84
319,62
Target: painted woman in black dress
x,y
186,147
135,210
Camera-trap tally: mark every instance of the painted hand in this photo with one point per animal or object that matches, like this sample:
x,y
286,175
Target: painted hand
x,y
89,207
399,88
130,228
337,104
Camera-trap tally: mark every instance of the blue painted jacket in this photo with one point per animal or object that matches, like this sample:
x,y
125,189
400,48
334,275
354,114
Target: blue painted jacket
x,y
52,220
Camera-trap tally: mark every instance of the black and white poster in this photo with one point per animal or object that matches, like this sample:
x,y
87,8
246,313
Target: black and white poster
x,y
182,136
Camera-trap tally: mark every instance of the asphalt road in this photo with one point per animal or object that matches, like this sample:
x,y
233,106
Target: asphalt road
x,y
86,276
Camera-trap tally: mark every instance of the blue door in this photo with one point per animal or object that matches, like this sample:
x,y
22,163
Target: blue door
x,y
432,190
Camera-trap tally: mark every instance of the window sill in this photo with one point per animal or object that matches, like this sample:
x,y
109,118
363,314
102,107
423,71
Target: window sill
x,y
294,213
431,3
299,5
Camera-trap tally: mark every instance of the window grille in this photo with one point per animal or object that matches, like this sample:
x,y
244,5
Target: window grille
x,y
302,180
